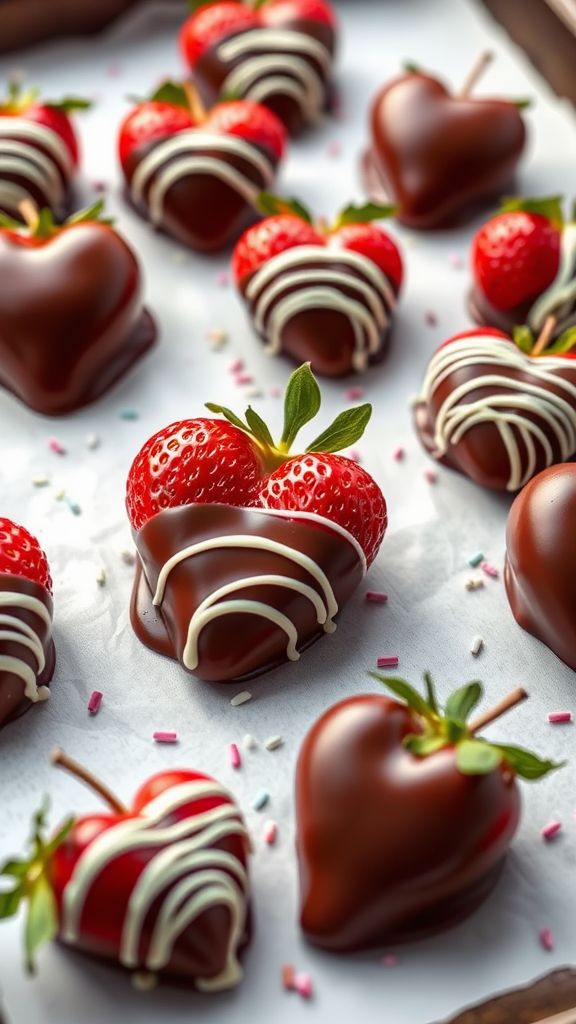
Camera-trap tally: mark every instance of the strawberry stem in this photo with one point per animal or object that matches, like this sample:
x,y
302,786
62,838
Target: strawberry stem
x,y
545,335
195,104
501,708
29,211
475,73
61,760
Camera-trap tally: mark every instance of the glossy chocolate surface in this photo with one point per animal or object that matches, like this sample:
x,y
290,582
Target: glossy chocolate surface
x,y
71,317
484,313
239,644
392,847
13,701
546,997
540,570
439,157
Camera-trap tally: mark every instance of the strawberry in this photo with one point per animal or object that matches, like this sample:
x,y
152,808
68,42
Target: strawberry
x,y
211,23
271,236
374,243
51,114
21,555
148,122
250,121
195,869
282,12
238,463
516,254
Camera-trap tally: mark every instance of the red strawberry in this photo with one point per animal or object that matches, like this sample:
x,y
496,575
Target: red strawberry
x,y
273,235
282,12
81,884
331,486
374,243
515,257
51,114
211,23
148,122
250,121
21,555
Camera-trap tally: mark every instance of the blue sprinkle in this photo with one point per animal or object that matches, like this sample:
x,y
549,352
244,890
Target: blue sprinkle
x,y
73,506
129,414
475,560
260,800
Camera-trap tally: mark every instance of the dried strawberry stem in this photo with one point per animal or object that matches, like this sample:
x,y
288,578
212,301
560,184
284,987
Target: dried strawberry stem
x,y
197,108
475,73
29,211
501,708
61,760
545,335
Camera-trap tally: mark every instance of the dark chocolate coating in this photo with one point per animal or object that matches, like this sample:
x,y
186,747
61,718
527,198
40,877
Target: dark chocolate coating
x,y
13,703
547,996
201,210
324,337
210,72
71,317
541,559
238,645
392,847
437,156
484,313
30,185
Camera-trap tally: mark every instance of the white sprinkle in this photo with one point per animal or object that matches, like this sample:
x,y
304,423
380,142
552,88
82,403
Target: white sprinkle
x,y
101,576
241,698
40,481
92,441
252,392
476,645
249,742
474,584
273,742
217,337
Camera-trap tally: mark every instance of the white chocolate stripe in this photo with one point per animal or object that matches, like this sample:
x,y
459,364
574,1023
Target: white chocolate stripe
x,y
20,128
244,78
303,254
33,175
456,415
274,85
560,296
20,632
313,517
197,165
280,39
12,195
319,276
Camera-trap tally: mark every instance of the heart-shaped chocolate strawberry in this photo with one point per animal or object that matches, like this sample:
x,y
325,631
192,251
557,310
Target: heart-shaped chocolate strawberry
x,y
323,295
160,888
437,155
495,412
404,816
541,559
194,175
71,315
232,592
280,54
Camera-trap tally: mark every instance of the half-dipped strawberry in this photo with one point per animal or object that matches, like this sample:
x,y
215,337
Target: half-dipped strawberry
x,y
27,655
38,150
324,294
159,888
276,52
197,175
247,552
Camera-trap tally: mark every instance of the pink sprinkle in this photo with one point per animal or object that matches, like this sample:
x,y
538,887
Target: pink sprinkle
x,y
95,701
303,985
223,279
556,717
388,661
431,476
235,759
288,976
455,260
334,149
489,570
275,392
244,378
550,830
376,597
355,455
398,454
236,365
99,186
354,393
431,318
270,832
390,960
168,736
55,446
546,939
114,70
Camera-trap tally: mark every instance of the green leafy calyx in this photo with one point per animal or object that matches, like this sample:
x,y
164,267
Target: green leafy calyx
x,y
30,880
40,224
448,727
270,205
301,404
364,214
547,206
525,340
171,92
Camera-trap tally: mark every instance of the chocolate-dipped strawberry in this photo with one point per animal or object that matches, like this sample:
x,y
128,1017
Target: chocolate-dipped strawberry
x,y
276,52
71,314
159,887
195,175
38,151
27,656
499,409
246,552
322,294
524,267
541,559
438,156
404,815
548,1000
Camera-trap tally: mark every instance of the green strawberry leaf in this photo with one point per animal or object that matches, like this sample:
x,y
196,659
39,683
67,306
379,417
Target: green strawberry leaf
x,y
230,95
89,214
548,206
301,404
565,343
171,92
69,104
42,920
411,68
364,214
10,222
59,837
523,104
431,693
346,429
423,746
195,5
269,205
259,428
45,225
15,868
403,689
523,338
10,902
228,414
18,97
475,757
526,764
462,702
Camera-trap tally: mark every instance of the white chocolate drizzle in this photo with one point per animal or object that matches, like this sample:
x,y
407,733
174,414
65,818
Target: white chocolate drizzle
x,y
319,287
18,632
273,62
188,873
194,152
39,157
560,297
524,411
